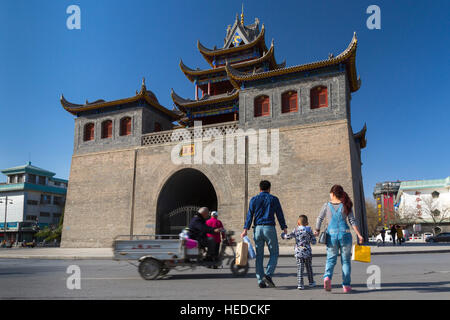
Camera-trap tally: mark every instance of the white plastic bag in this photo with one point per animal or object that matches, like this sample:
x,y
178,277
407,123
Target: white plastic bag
x,y
251,251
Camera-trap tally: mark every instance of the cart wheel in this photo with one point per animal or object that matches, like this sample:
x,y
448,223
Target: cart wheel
x,y
238,271
149,269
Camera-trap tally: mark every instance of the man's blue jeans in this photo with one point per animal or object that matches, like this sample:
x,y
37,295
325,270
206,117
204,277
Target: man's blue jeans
x,y
262,235
341,241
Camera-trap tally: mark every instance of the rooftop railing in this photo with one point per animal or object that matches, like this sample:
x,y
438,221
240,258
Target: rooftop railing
x,y
164,137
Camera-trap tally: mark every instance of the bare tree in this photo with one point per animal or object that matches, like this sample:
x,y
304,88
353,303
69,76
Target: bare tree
x,y
437,214
372,216
427,210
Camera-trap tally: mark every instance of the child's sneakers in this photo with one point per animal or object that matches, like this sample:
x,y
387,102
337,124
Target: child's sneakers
x,y
346,289
327,284
301,287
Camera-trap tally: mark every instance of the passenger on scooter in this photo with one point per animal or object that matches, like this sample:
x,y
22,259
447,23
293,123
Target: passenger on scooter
x,y
198,230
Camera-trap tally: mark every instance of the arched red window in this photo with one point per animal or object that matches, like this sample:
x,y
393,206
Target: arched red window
x,y
262,106
319,97
106,129
289,102
125,126
157,127
89,132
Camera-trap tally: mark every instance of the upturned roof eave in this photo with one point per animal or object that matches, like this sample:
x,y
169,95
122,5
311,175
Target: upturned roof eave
x,y
348,57
185,103
269,55
209,54
76,108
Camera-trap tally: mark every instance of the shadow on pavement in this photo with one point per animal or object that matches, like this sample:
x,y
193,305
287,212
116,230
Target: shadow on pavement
x,y
422,287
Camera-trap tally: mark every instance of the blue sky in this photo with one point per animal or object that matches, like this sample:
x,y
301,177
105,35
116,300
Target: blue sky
x,y
404,67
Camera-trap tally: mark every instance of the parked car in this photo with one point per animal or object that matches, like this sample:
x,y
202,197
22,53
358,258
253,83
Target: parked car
x,y
441,237
427,235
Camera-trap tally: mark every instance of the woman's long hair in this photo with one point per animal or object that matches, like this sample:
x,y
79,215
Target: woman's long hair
x,y
339,193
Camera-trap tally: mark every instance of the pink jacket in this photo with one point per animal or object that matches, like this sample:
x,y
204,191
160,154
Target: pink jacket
x,y
216,224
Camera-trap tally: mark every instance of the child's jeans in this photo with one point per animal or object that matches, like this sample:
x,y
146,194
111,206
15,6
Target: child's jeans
x,y
301,264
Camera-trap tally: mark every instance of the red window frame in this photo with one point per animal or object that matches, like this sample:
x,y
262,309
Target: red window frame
x,y
89,131
125,126
106,129
319,97
289,102
262,106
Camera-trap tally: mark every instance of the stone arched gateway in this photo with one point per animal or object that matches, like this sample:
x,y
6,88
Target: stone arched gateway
x,y
181,196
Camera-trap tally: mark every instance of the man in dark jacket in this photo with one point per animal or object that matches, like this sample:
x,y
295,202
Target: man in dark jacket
x,y
393,233
198,230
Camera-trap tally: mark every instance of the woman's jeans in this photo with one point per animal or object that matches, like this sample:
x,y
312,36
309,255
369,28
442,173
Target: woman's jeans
x,y
339,241
262,235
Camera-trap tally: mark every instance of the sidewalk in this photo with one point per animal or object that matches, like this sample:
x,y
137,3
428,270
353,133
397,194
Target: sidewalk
x,y
285,251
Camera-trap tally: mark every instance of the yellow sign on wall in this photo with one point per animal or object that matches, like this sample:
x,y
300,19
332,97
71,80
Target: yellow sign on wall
x,y
187,150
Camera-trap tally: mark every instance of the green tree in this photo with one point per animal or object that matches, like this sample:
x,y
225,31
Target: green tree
x,y
50,234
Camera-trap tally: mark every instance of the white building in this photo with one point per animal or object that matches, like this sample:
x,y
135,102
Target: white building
x,y
425,202
30,199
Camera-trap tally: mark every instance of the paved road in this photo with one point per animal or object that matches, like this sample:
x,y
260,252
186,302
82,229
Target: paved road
x,y
413,276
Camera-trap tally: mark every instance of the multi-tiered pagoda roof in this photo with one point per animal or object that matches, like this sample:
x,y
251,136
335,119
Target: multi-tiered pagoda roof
x,y
245,49
245,60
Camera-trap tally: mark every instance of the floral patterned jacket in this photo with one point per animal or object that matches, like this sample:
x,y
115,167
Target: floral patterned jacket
x,y
304,237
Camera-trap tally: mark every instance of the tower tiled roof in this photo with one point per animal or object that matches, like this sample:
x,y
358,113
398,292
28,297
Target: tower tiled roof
x,y
209,54
206,100
267,56
347,57
144,94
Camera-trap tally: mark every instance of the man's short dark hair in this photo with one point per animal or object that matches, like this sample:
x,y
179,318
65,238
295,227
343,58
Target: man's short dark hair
x,y
264,185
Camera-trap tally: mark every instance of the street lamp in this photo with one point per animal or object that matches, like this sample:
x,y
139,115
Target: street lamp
x,y
6,213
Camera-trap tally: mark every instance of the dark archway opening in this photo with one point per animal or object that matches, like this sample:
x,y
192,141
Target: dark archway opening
x,y
181,196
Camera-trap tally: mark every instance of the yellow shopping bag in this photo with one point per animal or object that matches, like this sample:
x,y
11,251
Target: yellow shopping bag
x,y
361,253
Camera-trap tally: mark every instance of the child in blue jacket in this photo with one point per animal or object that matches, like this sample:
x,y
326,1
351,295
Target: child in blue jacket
x,y
304,237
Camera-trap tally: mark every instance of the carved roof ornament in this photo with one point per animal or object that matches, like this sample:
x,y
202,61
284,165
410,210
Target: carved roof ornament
x,y
242,15
143,87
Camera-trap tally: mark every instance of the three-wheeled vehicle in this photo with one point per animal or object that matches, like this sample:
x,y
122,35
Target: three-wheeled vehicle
x,y
158,254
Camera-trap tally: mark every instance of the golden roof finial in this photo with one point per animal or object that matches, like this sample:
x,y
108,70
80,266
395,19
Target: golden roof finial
x,y
143,87
242,14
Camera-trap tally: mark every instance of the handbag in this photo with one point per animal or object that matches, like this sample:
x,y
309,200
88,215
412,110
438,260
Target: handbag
x,y
323,237
361,253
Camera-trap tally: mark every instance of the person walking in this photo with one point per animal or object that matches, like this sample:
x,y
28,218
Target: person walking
x,y
215,223
338,236
393,233
383,235
399,235
262,209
